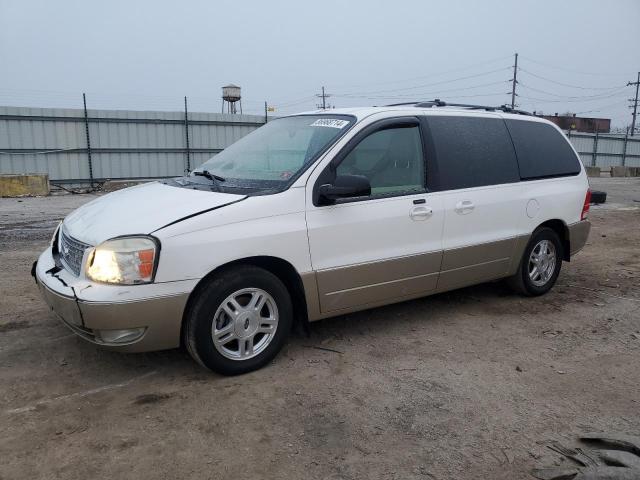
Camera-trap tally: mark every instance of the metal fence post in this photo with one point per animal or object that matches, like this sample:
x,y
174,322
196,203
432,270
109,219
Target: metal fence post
x,y
86,129
594,155
186,133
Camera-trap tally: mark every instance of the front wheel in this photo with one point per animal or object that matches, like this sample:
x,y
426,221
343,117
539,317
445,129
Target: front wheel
x,y
239,320
540,264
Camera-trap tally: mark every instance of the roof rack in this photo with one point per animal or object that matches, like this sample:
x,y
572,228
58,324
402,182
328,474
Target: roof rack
x,y
439,103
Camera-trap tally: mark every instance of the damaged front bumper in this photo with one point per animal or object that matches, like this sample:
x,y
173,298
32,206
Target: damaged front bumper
x,y
131,318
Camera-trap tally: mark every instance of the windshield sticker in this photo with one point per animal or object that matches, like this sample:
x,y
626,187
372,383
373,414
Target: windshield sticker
x,y
330,122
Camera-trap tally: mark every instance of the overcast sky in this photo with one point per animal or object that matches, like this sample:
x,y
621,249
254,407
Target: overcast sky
x,y
574,55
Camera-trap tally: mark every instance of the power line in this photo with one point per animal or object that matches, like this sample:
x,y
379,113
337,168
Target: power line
x,y
415,87
556,100
572,71
609,106
568,85
431,75
296,102
418,97
411,95
396,92
596,96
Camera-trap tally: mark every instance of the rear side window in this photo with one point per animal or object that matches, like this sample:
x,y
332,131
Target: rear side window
x,y
542,150
472,152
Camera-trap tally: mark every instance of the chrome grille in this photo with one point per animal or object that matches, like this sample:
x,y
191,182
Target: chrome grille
x,y
71,252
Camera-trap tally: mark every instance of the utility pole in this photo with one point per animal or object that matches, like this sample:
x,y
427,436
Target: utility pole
x,y
514,82
186,134
635,104
324,97
86,131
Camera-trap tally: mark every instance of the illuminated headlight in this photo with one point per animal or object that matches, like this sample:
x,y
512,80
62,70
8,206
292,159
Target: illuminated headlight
x,y
124,261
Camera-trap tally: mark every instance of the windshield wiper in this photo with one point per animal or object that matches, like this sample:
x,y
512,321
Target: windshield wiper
x,y
211,176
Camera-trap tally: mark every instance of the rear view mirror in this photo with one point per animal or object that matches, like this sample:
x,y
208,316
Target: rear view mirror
x,y
344,186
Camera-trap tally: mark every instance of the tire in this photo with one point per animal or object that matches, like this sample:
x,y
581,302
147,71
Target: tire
x,y
598,197
247,337
530,282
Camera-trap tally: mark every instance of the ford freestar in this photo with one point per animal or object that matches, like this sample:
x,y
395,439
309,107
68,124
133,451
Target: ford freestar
x,y
316,215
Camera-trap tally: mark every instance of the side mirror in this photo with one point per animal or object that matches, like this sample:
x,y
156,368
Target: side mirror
x,y
344,186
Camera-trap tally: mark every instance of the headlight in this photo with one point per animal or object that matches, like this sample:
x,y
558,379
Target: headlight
x,y
125,261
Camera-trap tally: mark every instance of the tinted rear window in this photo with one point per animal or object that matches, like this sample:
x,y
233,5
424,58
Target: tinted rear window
x,y
542,150
472,152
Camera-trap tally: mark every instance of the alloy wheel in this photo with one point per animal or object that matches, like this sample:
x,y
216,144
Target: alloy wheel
x,y
245,324
542,262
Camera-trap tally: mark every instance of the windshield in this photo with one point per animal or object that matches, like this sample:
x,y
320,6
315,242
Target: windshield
x,y
272,155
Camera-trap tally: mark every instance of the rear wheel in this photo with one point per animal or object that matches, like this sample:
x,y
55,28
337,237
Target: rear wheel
x,y
239,321
540,264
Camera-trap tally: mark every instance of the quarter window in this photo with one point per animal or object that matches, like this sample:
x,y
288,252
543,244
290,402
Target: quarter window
x,y
542,150
391,159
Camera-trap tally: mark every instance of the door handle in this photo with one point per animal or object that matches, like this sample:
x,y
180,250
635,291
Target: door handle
x,y
465,206
420,213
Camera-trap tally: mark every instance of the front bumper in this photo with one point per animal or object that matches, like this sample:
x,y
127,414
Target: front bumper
x,y
92,310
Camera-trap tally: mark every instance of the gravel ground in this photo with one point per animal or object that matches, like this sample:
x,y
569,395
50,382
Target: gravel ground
x,y
468,384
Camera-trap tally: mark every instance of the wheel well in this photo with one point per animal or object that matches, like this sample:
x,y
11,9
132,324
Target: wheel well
x,y
281,269
561,229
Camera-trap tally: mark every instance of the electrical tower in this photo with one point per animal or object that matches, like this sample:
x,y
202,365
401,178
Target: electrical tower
x,y
635,103
324,105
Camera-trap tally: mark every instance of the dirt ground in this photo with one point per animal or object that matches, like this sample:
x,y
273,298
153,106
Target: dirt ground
x,y
469,384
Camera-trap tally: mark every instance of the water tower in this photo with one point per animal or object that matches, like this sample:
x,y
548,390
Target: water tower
x,y
231,97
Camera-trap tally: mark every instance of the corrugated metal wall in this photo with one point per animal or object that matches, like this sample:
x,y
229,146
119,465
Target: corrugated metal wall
x,y
124,144
144,144
606,150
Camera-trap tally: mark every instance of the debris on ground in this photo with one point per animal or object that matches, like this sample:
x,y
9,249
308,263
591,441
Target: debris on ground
x,y
611,457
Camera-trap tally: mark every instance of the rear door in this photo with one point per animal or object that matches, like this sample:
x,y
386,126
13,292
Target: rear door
x,y
478,180
387,246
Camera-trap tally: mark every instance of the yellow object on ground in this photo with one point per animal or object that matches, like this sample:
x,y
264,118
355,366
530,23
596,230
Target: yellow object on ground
x,y
24,185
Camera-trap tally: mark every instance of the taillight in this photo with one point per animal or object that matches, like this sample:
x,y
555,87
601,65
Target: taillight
x,y
585,207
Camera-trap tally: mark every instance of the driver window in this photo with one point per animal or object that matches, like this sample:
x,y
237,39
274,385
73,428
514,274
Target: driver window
x,y
391,159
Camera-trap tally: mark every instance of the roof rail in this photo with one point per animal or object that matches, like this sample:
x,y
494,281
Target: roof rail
x,y
402,104
439,103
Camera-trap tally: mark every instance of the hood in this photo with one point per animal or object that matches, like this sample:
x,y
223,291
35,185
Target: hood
x,y
140,210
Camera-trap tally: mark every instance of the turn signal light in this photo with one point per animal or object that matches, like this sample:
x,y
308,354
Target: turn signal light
x,y
145,265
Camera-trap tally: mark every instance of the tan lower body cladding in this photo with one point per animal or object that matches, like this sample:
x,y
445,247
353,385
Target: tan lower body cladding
x,y
362,284
356,287
578,234
479,263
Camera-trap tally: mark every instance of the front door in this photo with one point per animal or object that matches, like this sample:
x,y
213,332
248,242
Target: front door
x,y
385,247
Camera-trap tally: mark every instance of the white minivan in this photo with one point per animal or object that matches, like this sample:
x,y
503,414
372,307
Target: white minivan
x,y
316,215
